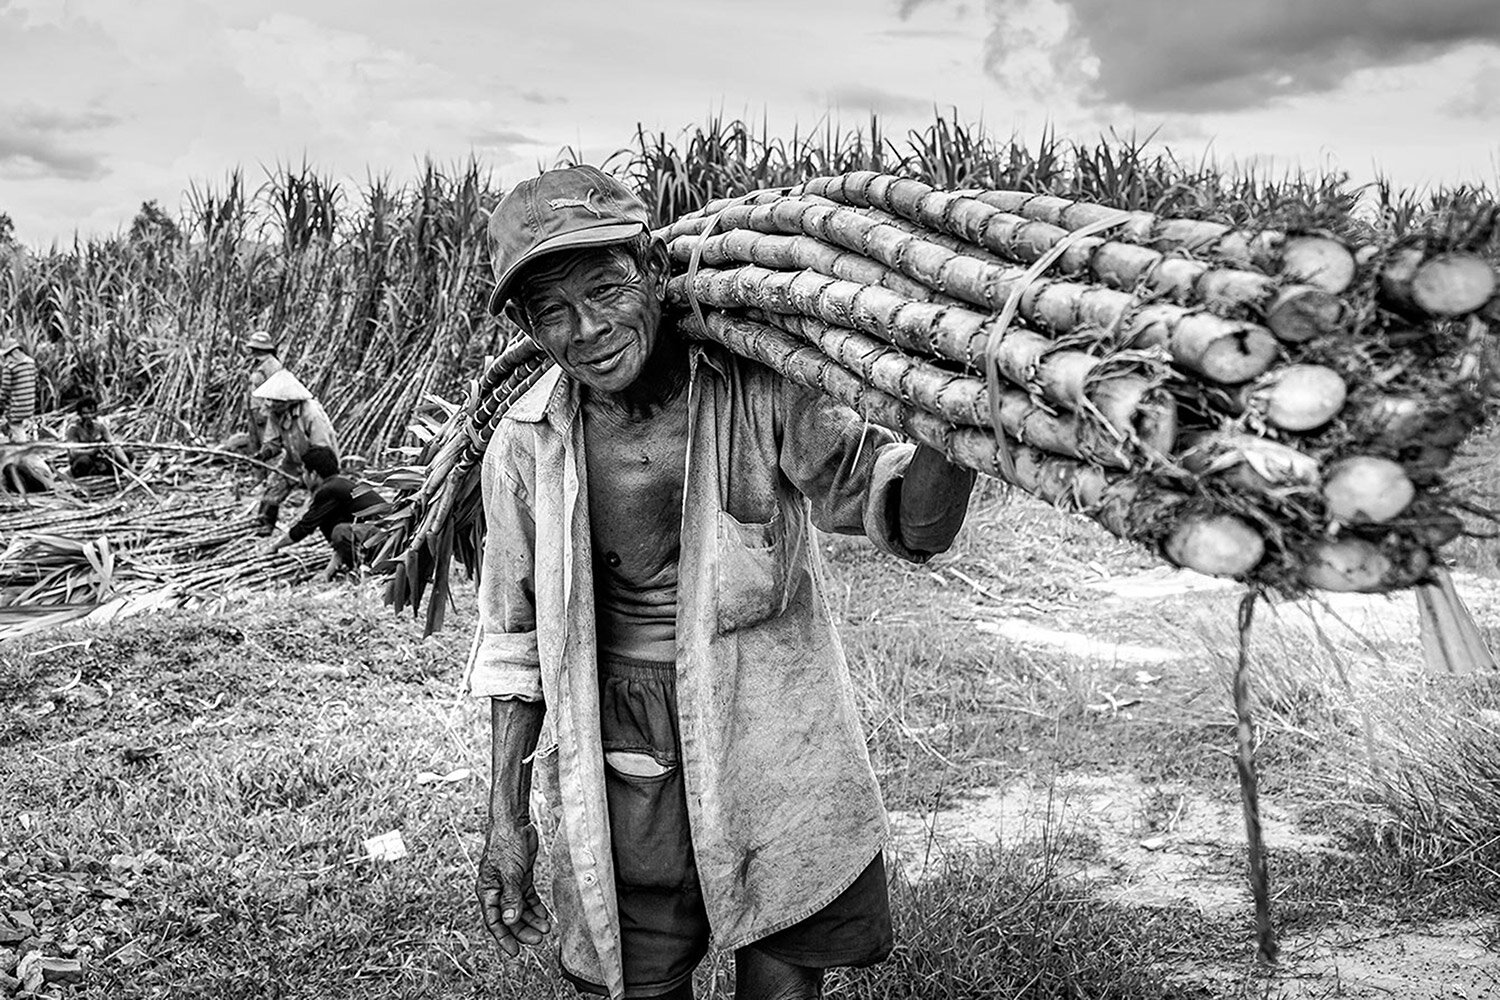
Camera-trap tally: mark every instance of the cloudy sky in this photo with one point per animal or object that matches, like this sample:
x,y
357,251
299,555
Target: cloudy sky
x,y
107,103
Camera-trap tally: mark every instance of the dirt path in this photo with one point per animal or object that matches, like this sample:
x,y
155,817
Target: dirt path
x,y
1143,844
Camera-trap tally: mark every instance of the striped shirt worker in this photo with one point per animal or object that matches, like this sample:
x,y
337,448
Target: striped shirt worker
x,y
18,381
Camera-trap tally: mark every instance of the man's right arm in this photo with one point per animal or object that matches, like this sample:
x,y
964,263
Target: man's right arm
x,y
506,669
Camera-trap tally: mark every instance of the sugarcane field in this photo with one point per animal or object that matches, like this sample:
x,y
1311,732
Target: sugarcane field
x,y
464,533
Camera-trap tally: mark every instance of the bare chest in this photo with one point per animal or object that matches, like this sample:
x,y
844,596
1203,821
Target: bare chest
x,y
635,473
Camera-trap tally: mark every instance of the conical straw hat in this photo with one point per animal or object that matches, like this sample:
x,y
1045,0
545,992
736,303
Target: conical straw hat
x,y
283,385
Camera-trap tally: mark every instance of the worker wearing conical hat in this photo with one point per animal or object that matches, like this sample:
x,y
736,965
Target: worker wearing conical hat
x,y
297,421
261,348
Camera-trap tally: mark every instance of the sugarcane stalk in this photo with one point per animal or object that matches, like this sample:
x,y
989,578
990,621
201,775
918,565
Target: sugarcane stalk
x,y
1303,258
1294,313
795,253
167,446
1115,502
1216,348
962,399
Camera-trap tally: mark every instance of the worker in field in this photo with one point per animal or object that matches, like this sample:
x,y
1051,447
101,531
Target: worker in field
x,y
18,389
296,422
260,347
651,601
340,508
20,471
87,427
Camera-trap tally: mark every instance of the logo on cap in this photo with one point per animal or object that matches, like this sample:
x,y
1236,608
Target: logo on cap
x,y
586,203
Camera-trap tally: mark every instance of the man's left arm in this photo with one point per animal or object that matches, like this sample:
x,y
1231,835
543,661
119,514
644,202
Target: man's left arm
x,y
908,499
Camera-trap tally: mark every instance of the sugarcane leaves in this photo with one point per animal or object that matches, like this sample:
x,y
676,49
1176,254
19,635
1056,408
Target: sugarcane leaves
x,y
102,558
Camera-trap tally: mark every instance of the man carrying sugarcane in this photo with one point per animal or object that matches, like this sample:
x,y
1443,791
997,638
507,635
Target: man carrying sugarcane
x,y
651,596
297,422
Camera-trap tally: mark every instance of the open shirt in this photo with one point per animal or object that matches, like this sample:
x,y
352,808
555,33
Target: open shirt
x,y
783,805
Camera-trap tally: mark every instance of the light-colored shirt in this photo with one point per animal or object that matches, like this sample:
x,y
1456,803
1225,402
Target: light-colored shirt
x,y
300,427
783,805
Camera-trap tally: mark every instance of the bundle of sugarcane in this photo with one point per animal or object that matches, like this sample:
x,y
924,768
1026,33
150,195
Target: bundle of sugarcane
x,y
1272,406
436,514
1275,406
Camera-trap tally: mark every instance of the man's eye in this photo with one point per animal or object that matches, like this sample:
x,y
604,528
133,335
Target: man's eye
x,y
610,291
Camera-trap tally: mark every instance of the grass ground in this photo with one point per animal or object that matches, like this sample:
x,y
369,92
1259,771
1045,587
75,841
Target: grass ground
x,y
186,796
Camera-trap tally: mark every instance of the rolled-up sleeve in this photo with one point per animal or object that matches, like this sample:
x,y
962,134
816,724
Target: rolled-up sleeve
x,y
505,663
848,469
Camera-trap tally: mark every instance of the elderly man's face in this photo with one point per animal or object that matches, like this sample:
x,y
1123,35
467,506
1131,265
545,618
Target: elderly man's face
x,y
595,312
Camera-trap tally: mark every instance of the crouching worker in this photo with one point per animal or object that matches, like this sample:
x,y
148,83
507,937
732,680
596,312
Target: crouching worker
x,y
297,422
337,505
87,427
651,600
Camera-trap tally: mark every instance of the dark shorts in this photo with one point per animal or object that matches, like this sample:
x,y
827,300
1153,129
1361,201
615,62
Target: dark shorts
x,y
663,925
348,539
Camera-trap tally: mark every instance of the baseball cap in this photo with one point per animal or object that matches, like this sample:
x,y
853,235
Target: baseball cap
x,y
561,209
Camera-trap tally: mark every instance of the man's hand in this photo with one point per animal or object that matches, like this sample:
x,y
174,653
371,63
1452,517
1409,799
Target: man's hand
x,y
271,546
513,912
934,497
268,452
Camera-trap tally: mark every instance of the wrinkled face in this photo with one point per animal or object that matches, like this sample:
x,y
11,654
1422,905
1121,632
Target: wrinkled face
x,y
595,312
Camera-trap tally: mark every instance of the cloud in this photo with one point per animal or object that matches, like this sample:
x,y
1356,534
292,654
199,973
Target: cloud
x,y
1227,55
863,97
33,143
538,97
32,156
503,138
328,75
905,8
57,120
1481,98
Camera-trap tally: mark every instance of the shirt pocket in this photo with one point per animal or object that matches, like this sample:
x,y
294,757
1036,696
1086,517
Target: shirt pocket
x,y
749,577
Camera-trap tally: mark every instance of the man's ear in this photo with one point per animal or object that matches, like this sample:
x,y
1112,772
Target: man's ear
x,y
516,315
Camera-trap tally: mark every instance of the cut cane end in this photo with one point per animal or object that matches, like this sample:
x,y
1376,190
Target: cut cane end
x,y
1318,261
1238,358
1359,566
1453,284
1302,312
1217,545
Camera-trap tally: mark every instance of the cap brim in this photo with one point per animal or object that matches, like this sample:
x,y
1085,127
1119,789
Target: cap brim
x,y
597,236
